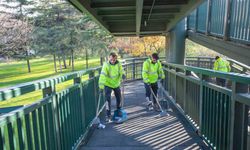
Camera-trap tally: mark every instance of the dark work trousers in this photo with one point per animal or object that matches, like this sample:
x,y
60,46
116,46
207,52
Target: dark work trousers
x,y
221,82
154,87
118,96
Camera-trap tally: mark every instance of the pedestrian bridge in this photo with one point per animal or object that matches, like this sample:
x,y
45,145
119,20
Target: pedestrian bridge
x,y
203,116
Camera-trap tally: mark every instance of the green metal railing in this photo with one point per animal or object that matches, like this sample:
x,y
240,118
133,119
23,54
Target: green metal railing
x,y
222,18
208,62
59,121
220,114
62,119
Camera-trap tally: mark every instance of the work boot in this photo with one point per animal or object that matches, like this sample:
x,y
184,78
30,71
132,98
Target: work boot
x,y
149,104
150,107
148,101
108,119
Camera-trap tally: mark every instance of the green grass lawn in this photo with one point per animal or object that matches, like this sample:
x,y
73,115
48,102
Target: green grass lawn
x,y
16,72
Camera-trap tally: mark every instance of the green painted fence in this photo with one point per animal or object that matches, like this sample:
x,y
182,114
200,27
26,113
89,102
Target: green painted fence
x,y
62,119
208,63
219,114
59,121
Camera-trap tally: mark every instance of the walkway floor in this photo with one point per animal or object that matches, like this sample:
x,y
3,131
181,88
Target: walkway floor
x,y
144,130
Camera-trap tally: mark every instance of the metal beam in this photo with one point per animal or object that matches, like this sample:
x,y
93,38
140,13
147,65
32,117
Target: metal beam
x,y
162,6
166,10
131,8
209,6
118,18
185,10
153,21
84,6
119,21
113,12
165,2
231,49
124,4
161,15
143,33
118,15
139,7
227,20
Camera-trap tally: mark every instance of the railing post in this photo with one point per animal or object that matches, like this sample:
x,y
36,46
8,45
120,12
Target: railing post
x,y
169,79
198,61
78,80
208,21
48,91
187,73
175,84
196,19
239,119
231,65
55,118
101,60
133,69
211,63
244,70
227,21
91,74
202,79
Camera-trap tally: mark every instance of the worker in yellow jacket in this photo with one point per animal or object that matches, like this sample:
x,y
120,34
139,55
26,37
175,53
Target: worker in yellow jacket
x,y
151,72
110,80
223,66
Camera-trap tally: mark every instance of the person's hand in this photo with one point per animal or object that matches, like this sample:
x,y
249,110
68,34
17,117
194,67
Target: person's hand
x,y
123,76
100,91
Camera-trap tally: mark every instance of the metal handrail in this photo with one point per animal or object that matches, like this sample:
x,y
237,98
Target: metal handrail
x,y
62,119
208,62
217,113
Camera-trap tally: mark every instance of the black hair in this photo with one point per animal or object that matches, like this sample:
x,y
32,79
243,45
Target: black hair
x,y
217,57
155,56
113,54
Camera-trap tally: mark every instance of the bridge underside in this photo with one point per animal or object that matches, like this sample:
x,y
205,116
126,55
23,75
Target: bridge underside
x,y
231,49
144,129
137,17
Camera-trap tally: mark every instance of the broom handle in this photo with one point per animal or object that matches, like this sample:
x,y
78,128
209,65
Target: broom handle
x,y
162,92
156,98
122,102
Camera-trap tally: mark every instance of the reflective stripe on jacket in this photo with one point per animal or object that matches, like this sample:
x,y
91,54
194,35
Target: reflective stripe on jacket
x,y
111,75
151,72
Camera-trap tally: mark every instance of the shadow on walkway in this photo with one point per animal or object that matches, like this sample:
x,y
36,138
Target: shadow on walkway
x,y
144,130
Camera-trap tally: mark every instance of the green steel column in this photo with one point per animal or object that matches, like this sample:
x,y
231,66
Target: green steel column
x,y
176,52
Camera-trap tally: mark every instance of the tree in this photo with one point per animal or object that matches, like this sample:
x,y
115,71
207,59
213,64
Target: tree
x,y
141,46
16,30
56,29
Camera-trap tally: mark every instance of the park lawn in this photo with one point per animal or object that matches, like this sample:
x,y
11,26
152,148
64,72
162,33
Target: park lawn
x,y
16,73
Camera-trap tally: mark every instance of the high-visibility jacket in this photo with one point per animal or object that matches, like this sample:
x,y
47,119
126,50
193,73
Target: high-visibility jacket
x,y
222,65
152,71
111,75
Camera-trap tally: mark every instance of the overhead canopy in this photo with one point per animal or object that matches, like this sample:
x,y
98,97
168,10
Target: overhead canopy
x,y
137,17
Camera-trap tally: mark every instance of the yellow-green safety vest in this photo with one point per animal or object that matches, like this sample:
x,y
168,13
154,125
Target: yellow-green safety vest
x,y
222,65
111,75
151,72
